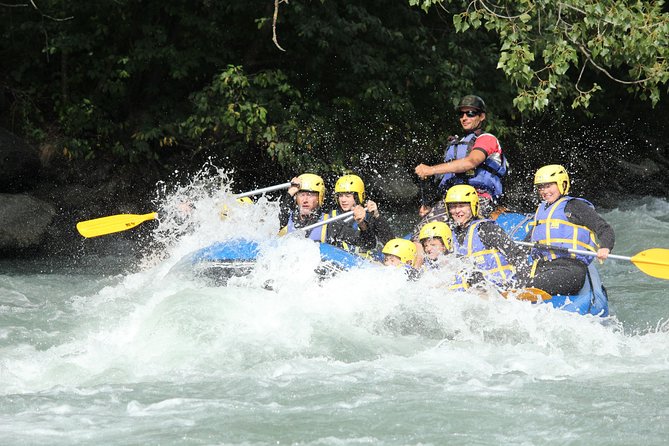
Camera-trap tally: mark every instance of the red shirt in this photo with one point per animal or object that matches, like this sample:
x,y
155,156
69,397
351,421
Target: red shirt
x,y
489,145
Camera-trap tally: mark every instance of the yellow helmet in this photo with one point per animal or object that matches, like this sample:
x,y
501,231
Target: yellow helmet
x,y
438,229
313,183
225,209
463,193
553,173
351,184
402,248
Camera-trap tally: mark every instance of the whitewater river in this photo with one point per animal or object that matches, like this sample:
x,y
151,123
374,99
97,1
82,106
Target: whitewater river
x,y
149,354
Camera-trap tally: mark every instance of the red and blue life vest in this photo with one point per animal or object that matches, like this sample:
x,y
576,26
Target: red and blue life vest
x,y
491,262
552,227
487,176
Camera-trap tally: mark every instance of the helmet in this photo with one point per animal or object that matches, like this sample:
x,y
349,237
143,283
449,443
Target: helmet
x,y
437,229
402,248
351,184
554,173
463,193
225,209
471,101
313,183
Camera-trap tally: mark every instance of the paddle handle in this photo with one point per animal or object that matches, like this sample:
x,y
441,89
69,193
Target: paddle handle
x,y
329,220
570,250
263,190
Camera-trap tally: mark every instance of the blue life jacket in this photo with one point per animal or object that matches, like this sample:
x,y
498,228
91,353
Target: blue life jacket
x,y
492,263
316,234
487,176
552,227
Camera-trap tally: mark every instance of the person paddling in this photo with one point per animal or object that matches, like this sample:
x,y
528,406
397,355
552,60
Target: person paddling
x,y
475,158
350,194
567,222
302,205
495,256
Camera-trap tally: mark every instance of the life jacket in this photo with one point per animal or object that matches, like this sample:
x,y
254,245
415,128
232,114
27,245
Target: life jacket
x,y
487,176
350,247
491,262
552,227
317,234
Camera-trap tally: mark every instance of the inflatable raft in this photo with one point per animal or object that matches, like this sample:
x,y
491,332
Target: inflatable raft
x,y
237,257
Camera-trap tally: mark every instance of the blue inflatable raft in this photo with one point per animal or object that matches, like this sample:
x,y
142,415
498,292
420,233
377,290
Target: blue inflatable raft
x,y
236,257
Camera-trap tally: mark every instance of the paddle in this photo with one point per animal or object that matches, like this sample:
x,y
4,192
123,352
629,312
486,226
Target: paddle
x,y
122,222
654,262
264,190
530,294
113,223
325,222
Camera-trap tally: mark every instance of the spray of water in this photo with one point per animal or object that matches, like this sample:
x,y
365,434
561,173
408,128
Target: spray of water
x,y
157,325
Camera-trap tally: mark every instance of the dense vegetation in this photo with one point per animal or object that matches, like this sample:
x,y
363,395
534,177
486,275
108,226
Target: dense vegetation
x,y
343,84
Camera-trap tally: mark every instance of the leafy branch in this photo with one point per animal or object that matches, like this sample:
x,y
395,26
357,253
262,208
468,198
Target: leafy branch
x,y
547,46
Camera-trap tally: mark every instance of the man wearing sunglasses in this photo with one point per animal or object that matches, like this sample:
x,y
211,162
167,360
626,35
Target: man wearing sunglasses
x,y
475,159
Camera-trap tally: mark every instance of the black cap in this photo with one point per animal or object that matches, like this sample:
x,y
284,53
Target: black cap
x,y
471,101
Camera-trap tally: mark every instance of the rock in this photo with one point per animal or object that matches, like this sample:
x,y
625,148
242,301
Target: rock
x,y
24,221
19,163
644,177
395,184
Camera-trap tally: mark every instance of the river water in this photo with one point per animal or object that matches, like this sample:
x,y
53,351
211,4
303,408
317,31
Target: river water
x,y
149,354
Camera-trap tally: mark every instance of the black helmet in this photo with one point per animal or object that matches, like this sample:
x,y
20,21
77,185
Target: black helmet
x,y
471,101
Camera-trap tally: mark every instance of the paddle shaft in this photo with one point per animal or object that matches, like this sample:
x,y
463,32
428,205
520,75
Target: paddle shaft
x,y
570,250
325,222
263,190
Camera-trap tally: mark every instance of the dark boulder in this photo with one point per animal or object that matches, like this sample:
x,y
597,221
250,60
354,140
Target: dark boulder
x,y
24,221
19,163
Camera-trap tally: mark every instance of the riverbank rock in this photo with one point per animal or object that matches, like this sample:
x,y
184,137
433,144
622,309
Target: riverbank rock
x,y
394,184
24,221
19,163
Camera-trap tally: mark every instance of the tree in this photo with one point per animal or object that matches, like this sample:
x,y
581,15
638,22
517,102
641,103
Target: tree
x,y
556,50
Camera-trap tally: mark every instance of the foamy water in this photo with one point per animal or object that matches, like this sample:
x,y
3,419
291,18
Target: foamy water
x,y
158,356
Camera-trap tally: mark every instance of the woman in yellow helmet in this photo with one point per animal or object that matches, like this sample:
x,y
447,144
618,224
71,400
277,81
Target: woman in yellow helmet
x,y
567,222
303,205
495,256
350,194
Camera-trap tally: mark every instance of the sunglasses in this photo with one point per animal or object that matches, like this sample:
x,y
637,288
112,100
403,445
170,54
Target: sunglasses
x,y
469,113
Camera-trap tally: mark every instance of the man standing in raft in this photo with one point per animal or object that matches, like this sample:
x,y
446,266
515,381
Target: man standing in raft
x,y
475,158
565,222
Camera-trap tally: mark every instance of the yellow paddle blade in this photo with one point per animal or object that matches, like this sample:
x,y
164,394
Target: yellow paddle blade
x,y
654,262
529,294
111,224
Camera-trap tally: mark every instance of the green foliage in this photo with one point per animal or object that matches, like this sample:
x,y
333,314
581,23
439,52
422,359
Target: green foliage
x,y
360,83
549,49
234,110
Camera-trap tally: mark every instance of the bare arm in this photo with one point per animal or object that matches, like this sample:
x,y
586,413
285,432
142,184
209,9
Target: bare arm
x,y
471,161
